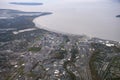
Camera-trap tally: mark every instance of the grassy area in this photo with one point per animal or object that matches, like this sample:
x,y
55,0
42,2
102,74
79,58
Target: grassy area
x,y
34,49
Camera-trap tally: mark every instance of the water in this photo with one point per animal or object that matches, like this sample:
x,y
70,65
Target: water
x,y
91,17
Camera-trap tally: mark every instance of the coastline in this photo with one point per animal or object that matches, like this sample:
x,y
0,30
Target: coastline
x,y
67,33
51,30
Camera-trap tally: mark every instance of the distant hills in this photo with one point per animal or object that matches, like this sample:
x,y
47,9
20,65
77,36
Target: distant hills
x,y
25,3
118,16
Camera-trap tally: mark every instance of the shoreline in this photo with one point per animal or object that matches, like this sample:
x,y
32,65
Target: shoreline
x,y
55,31
67,33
